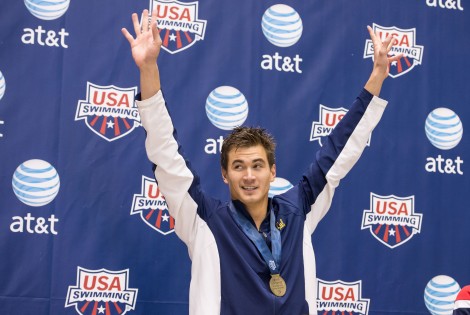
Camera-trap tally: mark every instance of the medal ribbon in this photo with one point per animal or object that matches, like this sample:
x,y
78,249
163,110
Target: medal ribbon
x,y
273,258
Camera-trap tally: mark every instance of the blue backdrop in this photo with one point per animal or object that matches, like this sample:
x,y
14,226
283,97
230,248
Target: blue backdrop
x,y
83,226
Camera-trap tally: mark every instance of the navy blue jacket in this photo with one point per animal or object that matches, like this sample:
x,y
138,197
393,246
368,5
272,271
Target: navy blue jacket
x,y
228,275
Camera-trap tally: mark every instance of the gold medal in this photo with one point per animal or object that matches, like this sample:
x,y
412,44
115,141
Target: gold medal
x,y
278,285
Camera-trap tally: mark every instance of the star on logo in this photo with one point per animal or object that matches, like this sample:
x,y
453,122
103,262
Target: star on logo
x,y
101,309
172,37
110,124
391,232
165,217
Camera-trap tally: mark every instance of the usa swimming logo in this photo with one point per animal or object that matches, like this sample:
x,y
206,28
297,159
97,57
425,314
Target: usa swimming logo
x,y
340,296
178,23
329,118
392,220
109,111
404,43
152,207
101,292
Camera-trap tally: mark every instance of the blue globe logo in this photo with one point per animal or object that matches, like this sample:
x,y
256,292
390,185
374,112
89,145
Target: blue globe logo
x,y
36,183
279,186
226,107
2,85
47,9
440,294
281,25
443,128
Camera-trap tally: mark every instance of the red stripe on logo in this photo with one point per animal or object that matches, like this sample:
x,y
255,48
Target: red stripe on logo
x,y
84,307
118,309
377,230
93,122
178,40
117,132
188,38
126,123
103,126
397,234
386,233
159,219
149,215
94,309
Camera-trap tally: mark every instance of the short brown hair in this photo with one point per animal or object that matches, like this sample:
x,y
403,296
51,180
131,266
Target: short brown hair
x,y
244,137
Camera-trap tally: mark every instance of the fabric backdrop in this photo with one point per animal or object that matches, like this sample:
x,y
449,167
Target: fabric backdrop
x,y
83,226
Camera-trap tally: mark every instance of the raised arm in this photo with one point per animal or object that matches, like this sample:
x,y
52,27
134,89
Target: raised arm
x,y
175,178
343,147
145,50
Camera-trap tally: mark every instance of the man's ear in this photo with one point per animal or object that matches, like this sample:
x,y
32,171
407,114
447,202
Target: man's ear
x,y
224,175
273,172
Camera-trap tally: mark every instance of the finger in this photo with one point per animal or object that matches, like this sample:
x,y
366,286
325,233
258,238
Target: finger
x,y
145,21
155,32
371,33
395,58
389,42
127,35
135,22
154,13
153,19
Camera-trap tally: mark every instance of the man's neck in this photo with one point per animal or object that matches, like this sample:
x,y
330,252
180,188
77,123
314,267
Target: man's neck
x,y
258,213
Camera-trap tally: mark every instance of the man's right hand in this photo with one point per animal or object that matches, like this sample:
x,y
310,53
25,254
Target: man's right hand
x,y
145,50
147,42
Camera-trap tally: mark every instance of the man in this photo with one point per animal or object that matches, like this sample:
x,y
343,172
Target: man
x,y
253,255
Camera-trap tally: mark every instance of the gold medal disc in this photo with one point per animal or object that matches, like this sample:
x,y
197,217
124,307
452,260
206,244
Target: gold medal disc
x,y
278,285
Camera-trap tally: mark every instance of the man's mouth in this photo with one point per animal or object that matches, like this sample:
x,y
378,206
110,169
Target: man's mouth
x,y
249,188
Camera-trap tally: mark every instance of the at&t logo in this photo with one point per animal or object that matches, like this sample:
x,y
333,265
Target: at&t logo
x,y
102,290
440,294
404,43
179,25
35,183
445,4
109,111
152,207
282,27
226,108
46,10
444,130
340,296
279,186
2,85
392,220
2,92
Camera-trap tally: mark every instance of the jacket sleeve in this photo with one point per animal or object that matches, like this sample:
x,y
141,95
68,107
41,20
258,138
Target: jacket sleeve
x,y
172,172
340,152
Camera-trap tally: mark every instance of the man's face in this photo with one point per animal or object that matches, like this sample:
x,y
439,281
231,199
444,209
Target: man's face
x,y
248,175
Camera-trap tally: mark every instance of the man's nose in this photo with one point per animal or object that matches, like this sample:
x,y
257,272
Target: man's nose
x,y
249,174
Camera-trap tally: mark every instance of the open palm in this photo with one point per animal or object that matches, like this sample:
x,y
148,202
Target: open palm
x,y
147,43
381,51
